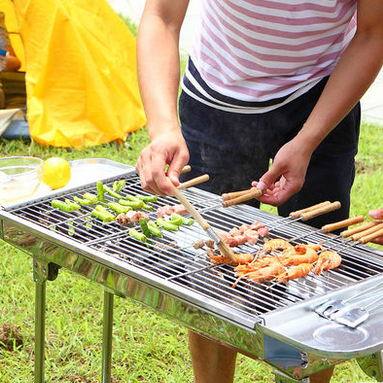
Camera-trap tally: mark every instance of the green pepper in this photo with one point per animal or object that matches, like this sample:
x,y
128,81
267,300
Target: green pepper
x,y
108,190
132,204
147,198
100,191
105,211
137,235
102,215
119,208
130,197
90,197
82,201
74,205
154,229
166,224
57,204
146,206
144,227
185,221
118,185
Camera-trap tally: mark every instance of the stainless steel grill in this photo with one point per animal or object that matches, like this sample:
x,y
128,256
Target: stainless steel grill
x,y
171,276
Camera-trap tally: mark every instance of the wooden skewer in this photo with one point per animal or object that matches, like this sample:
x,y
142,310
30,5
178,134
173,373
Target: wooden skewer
x,y
358,229
231,195
346,222
369,238
193,181
222,246
254,193
298,213
366,233
321,210
186,169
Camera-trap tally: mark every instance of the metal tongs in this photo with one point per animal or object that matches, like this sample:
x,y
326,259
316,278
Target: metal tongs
x,y
352,311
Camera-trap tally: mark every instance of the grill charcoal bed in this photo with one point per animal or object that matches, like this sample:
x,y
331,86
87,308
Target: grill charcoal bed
x,y
170,275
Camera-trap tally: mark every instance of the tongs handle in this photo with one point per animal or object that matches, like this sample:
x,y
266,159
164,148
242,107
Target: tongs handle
x,y
322,210
222,246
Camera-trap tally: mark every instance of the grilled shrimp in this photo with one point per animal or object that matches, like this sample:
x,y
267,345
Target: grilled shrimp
x,y
327,260
265,273
298,254
255,265
295,272
240,258
276,244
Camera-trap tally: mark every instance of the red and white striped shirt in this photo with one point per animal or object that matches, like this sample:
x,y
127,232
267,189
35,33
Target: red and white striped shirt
x,y
252,56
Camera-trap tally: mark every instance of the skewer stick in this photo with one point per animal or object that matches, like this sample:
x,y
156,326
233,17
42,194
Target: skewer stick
x,y
193,181
298,213
254,193
346,222
321,210
222,246
186,169
370,237
231,195
358,229
371,230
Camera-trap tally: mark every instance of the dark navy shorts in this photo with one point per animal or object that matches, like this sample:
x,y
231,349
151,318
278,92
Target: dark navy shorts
x,y
235,149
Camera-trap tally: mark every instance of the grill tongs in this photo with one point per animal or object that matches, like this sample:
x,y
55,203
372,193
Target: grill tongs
x,y
354,310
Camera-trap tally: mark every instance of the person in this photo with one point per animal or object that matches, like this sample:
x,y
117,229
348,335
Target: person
x,y
9,62
377,214
266,82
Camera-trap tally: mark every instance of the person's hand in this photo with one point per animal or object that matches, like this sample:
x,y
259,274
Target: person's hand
x,y
165,149
377,215
286,175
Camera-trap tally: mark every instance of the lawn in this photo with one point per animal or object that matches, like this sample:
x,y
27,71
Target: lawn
x,y
147,346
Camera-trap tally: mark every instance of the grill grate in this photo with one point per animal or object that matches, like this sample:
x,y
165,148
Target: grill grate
x,y
174,258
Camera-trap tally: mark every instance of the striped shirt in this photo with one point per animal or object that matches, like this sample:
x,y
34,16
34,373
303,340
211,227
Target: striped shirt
x,y
252,56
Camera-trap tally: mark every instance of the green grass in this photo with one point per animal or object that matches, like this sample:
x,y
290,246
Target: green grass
x,y
147,346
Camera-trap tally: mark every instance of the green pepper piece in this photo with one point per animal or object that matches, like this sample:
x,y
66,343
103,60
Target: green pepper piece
x,y
75,206
166,224
130,197
137,235
118,185
147,198
146,206
101,215
57,204
154,229
90,197
119,208
108,190
144,227
132,204
185,221
100,191
82,201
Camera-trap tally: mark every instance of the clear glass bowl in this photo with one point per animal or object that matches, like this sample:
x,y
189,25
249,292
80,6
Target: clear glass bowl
x,y
19,177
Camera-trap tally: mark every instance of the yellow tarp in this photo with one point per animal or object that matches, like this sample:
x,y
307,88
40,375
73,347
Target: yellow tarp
x,y
80,72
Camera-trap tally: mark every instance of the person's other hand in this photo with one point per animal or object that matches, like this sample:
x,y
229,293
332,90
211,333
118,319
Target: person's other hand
x,y
377,215
286,175
165,149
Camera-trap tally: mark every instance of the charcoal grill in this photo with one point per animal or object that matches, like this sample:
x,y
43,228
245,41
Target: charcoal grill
x,y
274,322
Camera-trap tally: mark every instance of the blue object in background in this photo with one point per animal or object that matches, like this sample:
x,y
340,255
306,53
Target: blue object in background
x,y
3,52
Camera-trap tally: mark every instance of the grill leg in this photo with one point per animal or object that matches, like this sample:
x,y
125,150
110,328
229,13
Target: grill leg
x,y
39,331
107,337
280,377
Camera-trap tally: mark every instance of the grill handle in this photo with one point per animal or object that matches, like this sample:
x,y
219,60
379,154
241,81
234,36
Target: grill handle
x,y
322,210
222,246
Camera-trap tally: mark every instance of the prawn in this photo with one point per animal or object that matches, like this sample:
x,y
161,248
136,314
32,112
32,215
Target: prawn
x,y
298,254
276,244
240,258
327,260
254,266
295,272
263,274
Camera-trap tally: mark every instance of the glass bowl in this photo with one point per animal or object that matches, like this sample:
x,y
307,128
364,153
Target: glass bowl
x,y
19,177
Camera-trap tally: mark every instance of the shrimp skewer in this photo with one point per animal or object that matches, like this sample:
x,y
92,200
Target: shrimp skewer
x,y
276,244
240,258
327,260
298,254
295,272
255,265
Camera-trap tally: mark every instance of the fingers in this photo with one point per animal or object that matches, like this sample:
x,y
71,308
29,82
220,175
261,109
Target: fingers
x,y
376,214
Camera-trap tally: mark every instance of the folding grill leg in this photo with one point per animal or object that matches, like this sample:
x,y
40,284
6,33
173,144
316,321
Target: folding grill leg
x,y
42,271
107,337
280,377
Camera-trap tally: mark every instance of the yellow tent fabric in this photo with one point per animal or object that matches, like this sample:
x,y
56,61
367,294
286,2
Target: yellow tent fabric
x,y
81,76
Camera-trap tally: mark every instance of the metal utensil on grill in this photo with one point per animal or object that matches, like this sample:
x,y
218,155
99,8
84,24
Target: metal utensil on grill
x,y
222,246
343,311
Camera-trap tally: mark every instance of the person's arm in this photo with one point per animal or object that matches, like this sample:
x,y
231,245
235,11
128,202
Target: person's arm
x,y
10,62
159,77
377,214
356,70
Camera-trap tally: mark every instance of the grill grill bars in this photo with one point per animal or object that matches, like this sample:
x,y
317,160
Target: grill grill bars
x,y
174,258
